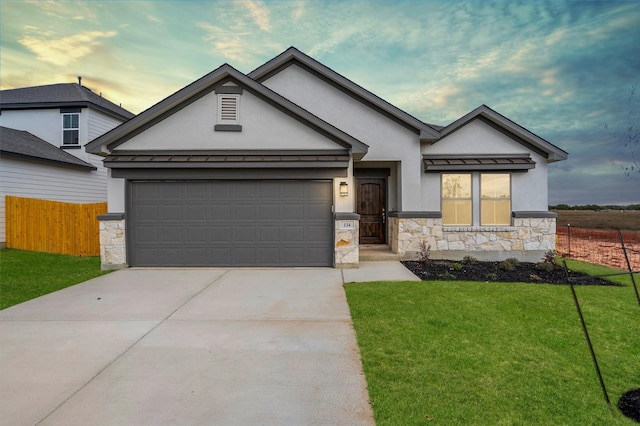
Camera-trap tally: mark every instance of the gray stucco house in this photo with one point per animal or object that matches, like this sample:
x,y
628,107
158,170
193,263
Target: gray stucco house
x,y
295,165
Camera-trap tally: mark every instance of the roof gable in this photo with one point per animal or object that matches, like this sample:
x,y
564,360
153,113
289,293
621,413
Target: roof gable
x,y
60,95
509,128
205,85
294,56
19,143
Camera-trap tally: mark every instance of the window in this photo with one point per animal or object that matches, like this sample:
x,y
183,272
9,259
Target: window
x,y
70,129
456,199
462,201
495,199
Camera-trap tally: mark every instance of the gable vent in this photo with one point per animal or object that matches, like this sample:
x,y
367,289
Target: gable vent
x,y
228,108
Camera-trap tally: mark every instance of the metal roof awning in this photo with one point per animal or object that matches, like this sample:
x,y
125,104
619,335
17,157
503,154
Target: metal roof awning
x,y
300,159
468,163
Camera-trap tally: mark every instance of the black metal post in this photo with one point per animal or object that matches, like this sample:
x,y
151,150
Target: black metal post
x,y
586,334
569,239
626,257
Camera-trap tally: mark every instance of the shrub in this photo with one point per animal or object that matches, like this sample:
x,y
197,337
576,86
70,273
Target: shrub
x,y
492,276
469,260
424,254
448,276
456,266
508,264
549,257
545,266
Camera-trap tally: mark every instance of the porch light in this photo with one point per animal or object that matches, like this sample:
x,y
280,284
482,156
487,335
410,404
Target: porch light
x,y
344,189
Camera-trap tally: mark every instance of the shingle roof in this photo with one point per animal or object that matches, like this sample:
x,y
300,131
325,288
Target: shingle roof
x,y
59,95
19,143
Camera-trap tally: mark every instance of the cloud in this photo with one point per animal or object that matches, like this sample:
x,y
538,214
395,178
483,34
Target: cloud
x,y
298,10
259,13
155,19
65,50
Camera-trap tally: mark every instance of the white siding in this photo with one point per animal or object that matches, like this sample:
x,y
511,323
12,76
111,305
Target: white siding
x,y
387,140
30,179
529,189
98,124
263,127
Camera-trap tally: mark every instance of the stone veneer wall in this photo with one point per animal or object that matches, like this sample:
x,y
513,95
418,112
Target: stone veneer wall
x,y
347,253
112,244
527,239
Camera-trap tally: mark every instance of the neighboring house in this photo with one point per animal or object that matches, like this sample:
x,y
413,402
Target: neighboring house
x,y
295,165
43,132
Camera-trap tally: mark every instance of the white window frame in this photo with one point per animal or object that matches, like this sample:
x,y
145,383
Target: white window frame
x,y
69,129
470,198
476,197
495,199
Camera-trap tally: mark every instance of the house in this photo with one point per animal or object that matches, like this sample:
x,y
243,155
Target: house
x,y
295,165
42,133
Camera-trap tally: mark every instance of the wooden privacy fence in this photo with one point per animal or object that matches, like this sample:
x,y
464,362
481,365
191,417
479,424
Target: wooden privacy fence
x,y
53,226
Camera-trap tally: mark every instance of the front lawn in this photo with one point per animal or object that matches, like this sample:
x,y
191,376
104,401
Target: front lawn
x,y
25,275
453,352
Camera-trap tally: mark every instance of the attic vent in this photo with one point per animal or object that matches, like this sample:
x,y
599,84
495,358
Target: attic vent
x,y
228,109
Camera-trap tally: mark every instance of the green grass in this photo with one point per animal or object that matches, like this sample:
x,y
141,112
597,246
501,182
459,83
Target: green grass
x,y
25,275
500,353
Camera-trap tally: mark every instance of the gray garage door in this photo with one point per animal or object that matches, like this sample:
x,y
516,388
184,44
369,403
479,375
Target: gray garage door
x,y
230,223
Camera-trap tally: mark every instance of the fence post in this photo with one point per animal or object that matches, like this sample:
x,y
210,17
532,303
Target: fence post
x,y
626,257
569,239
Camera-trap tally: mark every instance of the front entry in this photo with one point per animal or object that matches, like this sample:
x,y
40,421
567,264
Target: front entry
x,y
371,205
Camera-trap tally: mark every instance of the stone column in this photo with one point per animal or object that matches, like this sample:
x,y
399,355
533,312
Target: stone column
x,y
347,236
113,253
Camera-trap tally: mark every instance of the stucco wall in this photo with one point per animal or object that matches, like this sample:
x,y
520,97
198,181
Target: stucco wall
x,y
263,127
387,140
529,189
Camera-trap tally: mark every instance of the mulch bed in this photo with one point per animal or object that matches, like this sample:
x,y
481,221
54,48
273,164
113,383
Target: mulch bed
x,y
629,404
495,272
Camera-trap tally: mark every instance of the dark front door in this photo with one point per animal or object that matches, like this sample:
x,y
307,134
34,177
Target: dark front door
x,y
371,203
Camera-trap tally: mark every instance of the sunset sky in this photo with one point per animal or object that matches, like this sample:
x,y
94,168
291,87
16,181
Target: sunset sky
x,y
562,69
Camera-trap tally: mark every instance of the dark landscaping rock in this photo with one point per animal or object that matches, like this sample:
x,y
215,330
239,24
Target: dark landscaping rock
x,y
540,273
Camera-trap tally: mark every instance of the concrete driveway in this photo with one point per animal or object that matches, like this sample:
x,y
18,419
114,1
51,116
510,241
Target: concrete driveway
x,y
187,347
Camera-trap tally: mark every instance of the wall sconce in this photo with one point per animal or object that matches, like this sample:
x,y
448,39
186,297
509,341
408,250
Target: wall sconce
x,y
344,189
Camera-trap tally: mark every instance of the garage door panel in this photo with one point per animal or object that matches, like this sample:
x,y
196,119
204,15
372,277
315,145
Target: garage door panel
x,y
293,212
231,223
293,233
220,233
269,233
221,213
197,212
171,212
268,212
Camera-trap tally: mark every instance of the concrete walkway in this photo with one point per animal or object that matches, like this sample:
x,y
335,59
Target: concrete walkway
x,y
187,347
